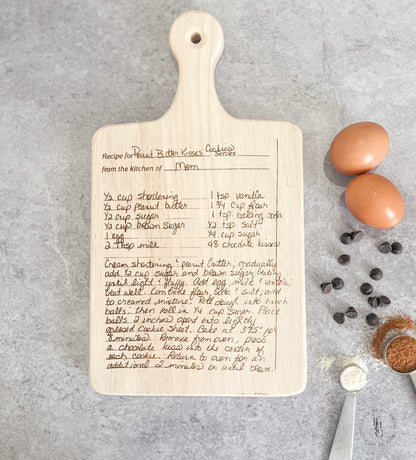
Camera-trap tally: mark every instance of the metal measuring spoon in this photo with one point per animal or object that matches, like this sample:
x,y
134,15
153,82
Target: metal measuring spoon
x,y
343,440
412,374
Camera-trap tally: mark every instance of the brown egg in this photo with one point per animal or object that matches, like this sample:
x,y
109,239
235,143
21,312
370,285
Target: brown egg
x,y
359,147
374,200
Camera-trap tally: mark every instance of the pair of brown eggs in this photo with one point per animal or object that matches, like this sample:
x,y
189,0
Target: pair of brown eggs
x,y
369,197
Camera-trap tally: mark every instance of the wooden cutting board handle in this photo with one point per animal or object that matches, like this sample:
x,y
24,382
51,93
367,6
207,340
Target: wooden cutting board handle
x,y
197,41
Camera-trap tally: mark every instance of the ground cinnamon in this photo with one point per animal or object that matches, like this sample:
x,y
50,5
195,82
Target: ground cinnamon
x,y
401,354
399,322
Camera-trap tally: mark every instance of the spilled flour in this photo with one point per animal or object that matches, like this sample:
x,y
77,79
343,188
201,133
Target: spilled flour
x,y
336,363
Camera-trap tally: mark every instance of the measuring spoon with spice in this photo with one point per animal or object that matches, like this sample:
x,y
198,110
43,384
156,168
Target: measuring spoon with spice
x,y
352,379
400,355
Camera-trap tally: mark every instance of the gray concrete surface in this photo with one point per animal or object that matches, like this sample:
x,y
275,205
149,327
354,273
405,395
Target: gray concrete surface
x,y
68,68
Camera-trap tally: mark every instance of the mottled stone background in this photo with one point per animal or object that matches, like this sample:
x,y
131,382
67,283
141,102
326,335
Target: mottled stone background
x,y
69,67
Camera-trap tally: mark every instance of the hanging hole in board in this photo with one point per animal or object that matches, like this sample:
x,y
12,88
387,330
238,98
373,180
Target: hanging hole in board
x,y
196,38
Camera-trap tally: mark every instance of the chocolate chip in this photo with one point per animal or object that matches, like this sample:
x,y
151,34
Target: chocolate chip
x,y
374,301
372,319
351,312
396,248
357,236
384,301
385,247
339,317
346,238
366,288
337,283
344,259
376,274
326,287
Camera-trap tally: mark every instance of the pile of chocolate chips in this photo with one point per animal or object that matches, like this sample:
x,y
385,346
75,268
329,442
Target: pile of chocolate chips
x,y
366,289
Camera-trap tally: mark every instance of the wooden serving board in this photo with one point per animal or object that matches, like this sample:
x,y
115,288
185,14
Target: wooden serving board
x,y
197,259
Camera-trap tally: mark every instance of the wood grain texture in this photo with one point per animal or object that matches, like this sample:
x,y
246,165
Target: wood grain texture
x,y
246,157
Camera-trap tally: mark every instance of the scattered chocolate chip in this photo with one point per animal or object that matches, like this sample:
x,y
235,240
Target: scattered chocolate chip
x,y
337,283
346,238
385,247
339,318
357,236
396,248
374,301
384,301
366,288
326,287
376,274
351,312
372,319
344,259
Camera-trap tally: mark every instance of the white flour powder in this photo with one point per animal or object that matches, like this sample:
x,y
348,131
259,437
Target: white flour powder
x,y
336,363
353,378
